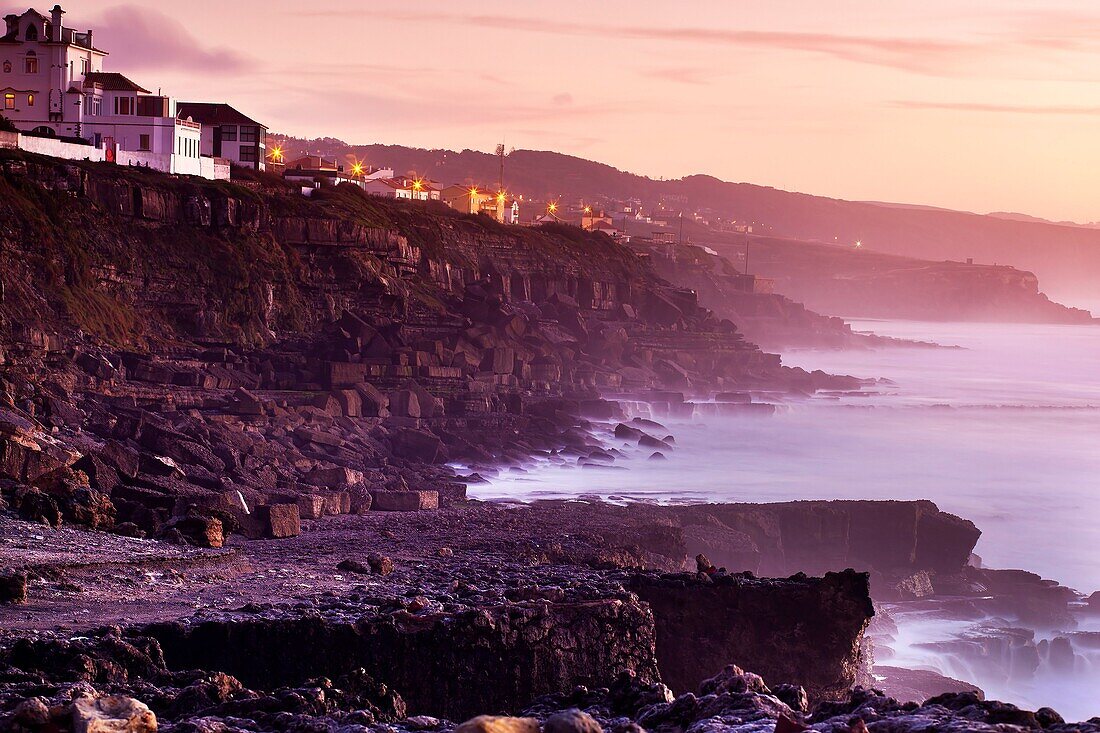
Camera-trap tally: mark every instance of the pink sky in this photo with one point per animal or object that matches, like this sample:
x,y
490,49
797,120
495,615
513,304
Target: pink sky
x,y
974,105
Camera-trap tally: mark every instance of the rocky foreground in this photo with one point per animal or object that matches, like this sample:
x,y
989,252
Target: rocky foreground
x,y
409,620
230,424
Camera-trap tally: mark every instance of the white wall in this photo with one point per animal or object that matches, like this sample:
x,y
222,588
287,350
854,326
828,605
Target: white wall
x,y
60,149
214,169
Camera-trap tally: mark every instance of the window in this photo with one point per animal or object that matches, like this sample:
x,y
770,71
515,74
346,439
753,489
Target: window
x,y
9,101
143,142
30,65
30,100
229,132
124,105
32,33
249,154
250,135
83,66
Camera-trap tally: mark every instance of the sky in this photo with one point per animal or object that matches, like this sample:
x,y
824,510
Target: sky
x,y
980,105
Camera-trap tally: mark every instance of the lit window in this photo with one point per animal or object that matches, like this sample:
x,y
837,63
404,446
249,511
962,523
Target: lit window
x,y
30,100
9,101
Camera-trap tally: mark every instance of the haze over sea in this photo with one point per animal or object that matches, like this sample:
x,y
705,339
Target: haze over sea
x,y
1004,431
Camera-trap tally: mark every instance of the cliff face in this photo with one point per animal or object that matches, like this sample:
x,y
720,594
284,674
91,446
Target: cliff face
x,y
862,282
275,349
142,259
703,625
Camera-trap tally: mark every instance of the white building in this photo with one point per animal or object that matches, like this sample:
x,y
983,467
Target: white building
x,y
226,133
413,189
53,85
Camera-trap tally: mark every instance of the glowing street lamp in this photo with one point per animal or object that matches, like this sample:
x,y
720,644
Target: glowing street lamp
x,y
859,244
552,208
357,169
277,154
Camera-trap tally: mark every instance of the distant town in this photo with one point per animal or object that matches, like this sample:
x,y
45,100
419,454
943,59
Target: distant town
x,y
59,100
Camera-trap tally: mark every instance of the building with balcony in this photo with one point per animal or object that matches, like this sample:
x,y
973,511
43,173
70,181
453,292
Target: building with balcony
x,y
227,133
53,86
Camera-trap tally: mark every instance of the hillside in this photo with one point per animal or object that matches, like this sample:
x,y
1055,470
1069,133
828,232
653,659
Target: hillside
x,y
1066,259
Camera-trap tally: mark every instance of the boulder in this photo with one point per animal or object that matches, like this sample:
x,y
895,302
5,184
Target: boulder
x,y
404,501
273,521
311,506
571,721
372,402
418,445
34,505
379,564
917,585
404,403
351,404
31,714
112,714
336,502
13,586
361,502
339,477
648,441
246,403
498,724
199,531
354,566
318,437
625,432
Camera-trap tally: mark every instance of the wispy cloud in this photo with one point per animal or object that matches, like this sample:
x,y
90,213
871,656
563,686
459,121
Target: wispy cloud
x,y
141,38
680,75
1044,109
1019,33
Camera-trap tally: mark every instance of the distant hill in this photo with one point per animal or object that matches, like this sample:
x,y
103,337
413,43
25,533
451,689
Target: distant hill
x,y
1066,258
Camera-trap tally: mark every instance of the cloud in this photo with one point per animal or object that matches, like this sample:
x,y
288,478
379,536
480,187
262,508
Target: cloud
x,y
140,38
680,75
1026,109
562,100
923,55
1019,38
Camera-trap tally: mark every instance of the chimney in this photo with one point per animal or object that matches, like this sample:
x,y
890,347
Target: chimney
x,y
11,22
90,39
55,19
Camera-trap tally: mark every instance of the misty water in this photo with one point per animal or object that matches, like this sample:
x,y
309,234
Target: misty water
x,y
1003,431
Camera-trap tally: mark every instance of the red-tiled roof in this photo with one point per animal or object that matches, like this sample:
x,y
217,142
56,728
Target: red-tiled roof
x,y
112,82
213,114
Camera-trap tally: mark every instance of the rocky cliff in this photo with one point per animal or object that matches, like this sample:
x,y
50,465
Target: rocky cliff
x,y
176,353
853,282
